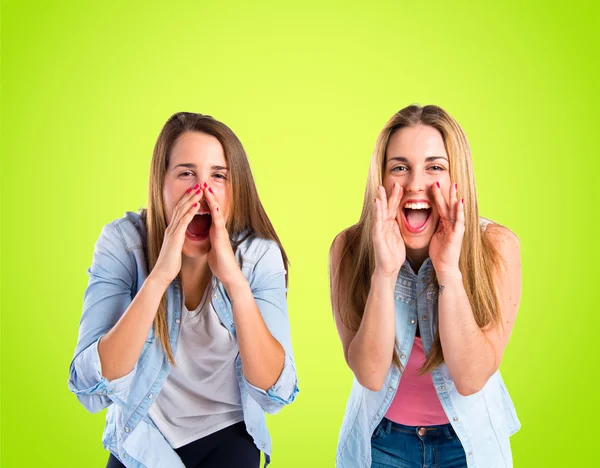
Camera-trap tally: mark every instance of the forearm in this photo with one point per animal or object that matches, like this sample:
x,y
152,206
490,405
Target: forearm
x,y
468,353
371,350
261,354
120,348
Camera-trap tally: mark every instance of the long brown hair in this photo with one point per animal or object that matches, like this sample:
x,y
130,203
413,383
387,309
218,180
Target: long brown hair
x,y
478,257
247,217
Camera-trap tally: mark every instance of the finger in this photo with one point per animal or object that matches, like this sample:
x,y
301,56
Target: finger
x,y
453,204
440,202
453,198
394,200
378,212
184,220
460,214
218,221
384,202
191,196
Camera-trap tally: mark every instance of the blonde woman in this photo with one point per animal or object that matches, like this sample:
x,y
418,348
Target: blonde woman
x,y
184,334
425,294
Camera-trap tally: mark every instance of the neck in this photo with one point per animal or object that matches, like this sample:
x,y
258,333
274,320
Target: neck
x,y
195,276
416,257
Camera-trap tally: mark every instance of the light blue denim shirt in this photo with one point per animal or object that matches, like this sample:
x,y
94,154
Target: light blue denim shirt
x,y
483,421
117,272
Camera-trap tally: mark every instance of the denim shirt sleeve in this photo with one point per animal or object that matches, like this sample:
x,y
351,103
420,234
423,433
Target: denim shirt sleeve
x,y
108,294
269,290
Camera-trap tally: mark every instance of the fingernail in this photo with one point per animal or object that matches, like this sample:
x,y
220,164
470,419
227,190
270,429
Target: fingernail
x,y
210,190
188,190
456,186
438,184
204,185
375,200
196,186
217,208
462,200
198,192
195,205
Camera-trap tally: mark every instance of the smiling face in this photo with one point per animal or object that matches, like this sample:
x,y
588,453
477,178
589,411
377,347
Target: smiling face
x,y
196,158
416,158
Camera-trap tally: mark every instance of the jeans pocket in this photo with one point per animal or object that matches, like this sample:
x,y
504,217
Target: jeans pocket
x,y
449,432
379,431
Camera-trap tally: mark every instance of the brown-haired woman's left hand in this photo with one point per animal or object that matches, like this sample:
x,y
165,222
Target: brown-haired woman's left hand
x,y
446,243
221,259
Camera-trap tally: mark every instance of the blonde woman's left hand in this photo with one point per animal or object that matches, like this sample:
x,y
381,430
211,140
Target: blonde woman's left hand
x,y
221,259
446,243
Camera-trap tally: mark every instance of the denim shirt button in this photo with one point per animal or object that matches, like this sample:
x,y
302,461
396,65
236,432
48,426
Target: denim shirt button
x,y
403,356
455,419
126,429
424,317
412,321
177,320
442,388
150,396
390,389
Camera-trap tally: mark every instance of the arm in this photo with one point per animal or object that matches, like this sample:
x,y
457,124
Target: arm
x,y
472,354
264,337
260,316
108,295
369,350
261,354
121,347
113,328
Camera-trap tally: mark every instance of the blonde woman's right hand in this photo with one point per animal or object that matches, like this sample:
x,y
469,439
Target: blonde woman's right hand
x,y
169,260
389,248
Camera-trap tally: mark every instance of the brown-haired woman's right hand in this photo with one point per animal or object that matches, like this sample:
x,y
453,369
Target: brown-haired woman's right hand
x,y
169,260
389,248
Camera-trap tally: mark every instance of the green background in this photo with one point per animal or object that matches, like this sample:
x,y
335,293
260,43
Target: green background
x,y
307,88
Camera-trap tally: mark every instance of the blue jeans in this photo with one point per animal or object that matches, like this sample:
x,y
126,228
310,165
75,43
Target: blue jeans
x,y
397,446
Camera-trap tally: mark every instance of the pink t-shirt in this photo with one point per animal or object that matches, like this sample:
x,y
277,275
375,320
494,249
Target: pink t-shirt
x,y
416,402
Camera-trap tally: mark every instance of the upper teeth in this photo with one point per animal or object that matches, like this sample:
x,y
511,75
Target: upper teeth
x,y
418,206
203,212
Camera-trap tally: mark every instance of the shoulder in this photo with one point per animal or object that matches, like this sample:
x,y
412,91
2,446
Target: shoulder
x,y
256,249
128,231
338,245
505,242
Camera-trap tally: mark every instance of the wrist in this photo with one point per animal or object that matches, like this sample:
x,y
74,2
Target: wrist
x,y
449,275
158,281
385,278
238,291
237,282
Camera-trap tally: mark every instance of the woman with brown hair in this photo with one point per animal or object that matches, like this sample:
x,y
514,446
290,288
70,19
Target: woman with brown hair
x,y
185,335
425,295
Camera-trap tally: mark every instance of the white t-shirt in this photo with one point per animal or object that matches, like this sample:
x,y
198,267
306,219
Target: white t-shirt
x,y
201,394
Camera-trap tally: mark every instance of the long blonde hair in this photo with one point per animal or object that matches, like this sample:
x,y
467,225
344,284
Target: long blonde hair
x,y
247,217
478,257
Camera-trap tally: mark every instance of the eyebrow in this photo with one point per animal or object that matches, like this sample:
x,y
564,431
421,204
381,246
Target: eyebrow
x,y
405,160
193,166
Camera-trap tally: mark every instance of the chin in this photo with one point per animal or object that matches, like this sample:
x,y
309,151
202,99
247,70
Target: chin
x,y
195,248
413,242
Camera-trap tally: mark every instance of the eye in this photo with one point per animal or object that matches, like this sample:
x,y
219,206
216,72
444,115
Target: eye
x,y
186,174
399,169
437,168
220,176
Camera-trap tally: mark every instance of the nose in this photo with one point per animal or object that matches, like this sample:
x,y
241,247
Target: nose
x,y
415,183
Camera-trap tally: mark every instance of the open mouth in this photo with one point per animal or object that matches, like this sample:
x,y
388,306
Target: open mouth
x,y
199,227
416,216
